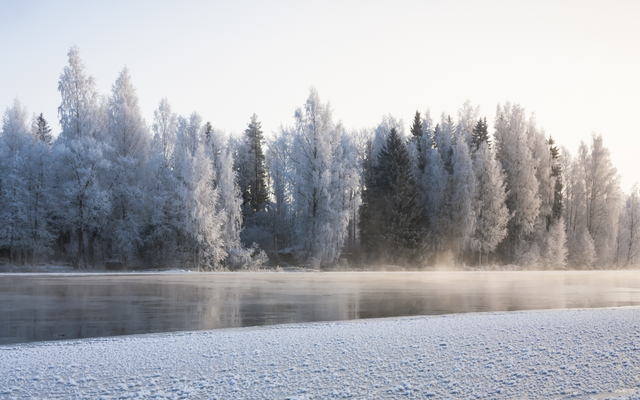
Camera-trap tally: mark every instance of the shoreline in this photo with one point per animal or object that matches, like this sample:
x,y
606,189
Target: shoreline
x,y
583,353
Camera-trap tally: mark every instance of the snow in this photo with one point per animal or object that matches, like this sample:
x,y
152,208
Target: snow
x,y
546,354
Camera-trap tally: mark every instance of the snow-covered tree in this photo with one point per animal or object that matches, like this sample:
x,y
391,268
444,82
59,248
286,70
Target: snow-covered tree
x,y
127,129
79,110
320,214
129,139
467,117
281,167
229,200
199,223
462,196
628,238
84,200
555,246
14,156
602,197
164,130
491,211
514,152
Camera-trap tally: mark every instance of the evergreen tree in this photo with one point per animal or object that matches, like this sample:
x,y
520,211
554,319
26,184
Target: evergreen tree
x,y
480,134
208,131
41,130
253,182
391,216
556,172
417,134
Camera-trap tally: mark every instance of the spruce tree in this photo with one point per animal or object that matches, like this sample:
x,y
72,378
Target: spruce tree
x,y
254,183
480,134
42,131
556,172
392,198
417,133
208,130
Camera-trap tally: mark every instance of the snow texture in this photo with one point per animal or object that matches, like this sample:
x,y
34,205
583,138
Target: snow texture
x,y
550,354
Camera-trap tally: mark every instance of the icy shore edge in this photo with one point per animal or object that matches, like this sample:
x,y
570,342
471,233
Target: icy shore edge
x,y
545,354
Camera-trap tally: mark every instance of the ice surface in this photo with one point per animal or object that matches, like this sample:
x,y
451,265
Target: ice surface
x,y
548,354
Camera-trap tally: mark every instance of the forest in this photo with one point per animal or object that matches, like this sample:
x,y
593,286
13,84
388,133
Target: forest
x,y
108,188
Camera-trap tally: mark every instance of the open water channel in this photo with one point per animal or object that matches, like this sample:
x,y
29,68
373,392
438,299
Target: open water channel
x,y
43,307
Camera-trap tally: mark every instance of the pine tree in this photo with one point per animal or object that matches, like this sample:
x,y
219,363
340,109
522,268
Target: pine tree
x,y
41,130
254,180
556,172
208,131
417,139
480,134
391,216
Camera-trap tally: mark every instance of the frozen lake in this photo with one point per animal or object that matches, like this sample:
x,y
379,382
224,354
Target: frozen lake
x,y
42,307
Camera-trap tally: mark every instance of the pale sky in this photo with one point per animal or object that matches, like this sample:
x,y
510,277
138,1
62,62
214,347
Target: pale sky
x,y
576,64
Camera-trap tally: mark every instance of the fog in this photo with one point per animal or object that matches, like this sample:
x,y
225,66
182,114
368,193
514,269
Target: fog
x,y
39,307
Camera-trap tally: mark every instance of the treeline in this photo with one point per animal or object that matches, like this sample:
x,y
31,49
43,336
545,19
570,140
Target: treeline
x,y
110,188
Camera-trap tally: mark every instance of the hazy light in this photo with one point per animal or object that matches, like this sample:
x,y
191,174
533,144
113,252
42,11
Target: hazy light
x,y
574,63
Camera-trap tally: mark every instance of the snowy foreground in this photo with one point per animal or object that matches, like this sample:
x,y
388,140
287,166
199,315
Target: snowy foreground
x,y
546,354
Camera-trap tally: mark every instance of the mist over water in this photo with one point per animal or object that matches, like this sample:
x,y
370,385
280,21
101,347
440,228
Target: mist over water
x,y
41,307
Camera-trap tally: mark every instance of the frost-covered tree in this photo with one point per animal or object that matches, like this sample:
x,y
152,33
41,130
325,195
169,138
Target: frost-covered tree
x,y
602,197
514,152
79,110
84,199
199,223
491,211
164,130
555,246
129,139
14,156
320,215
629,230
462,195
127,129
229,199
281,171
467,117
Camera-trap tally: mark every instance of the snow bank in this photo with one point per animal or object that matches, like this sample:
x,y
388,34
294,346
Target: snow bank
x,y
550,354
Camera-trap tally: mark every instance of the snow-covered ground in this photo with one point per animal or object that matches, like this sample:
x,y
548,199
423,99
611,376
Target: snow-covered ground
x,y
546,354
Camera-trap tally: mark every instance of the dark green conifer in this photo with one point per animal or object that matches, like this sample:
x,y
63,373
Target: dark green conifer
x,y
390,215
255,194
480,134
556,172
43,132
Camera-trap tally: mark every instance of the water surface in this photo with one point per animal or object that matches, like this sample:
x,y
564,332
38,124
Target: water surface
x,y
52,307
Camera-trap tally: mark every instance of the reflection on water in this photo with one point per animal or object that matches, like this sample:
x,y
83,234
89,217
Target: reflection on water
x,y
40,307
